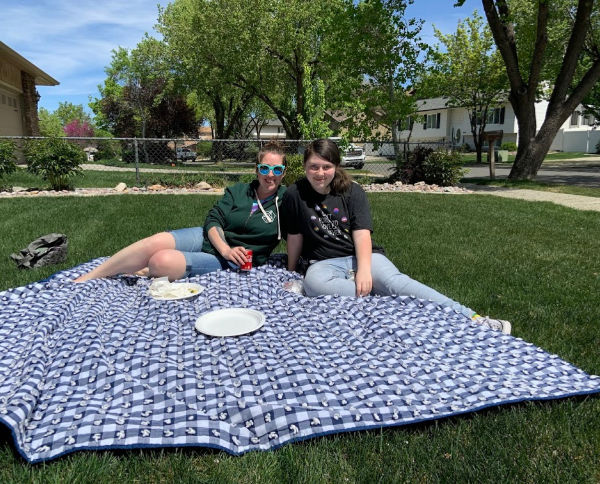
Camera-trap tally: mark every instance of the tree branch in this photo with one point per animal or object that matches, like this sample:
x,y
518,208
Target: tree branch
x,y
504,36
591,77
541,41
574,48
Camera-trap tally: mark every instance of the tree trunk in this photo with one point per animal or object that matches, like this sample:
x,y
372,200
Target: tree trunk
x,y
532,147
478,150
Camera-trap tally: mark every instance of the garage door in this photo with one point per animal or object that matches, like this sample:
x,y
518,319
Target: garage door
x,y
10,114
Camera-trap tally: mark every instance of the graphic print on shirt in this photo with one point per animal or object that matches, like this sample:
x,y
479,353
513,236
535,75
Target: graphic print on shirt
x,y
328,223
268,217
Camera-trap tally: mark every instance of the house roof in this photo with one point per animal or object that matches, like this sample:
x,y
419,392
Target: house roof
x,y
431,104
41,78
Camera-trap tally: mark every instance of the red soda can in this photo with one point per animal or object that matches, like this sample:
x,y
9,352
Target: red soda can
x,y
248,264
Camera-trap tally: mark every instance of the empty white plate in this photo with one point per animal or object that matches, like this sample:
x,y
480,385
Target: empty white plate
x,y
230,322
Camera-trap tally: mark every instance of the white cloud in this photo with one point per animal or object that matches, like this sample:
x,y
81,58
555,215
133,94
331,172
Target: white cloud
x,y
73,40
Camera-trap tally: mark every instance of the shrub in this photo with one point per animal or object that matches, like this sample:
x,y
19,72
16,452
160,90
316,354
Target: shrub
x,y
411,171
363,180
204,149
55,160
251,152
294,169
432,167
107,150
443,168
509,146
8,159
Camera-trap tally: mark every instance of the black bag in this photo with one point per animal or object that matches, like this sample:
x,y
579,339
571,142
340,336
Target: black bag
x,y
47,250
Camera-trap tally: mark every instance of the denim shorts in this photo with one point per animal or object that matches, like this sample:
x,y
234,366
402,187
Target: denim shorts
x,y
189,242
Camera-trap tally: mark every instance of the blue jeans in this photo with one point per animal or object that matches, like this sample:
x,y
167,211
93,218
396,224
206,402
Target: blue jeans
x,y
189,243
335,276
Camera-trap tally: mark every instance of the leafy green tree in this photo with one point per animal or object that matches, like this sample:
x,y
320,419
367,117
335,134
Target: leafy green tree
x,y
67,112
259,51
53,124
50,123
550,48
591,103
469,72
140,97
380,49
313,124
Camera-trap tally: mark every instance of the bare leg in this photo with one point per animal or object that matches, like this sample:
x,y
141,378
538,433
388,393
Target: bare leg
x,y
168,262
132,258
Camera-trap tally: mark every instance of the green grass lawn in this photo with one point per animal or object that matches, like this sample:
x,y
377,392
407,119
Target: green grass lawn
x,y
109,179
533,185
199,166
535,264
553,158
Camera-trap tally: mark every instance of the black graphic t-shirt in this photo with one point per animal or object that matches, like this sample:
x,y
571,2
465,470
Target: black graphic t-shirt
x,y
326,222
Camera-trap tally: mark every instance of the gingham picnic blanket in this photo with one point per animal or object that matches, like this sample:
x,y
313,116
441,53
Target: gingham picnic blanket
x,y
102,365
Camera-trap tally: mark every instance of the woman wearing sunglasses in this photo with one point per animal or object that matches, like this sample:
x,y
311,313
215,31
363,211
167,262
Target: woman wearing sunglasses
x,y
328,222
246,217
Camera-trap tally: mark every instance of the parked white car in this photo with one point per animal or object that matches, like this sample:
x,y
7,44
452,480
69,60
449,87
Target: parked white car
x,y
353,156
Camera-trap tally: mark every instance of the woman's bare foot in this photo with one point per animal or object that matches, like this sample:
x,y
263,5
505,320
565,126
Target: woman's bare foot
x,y
145,272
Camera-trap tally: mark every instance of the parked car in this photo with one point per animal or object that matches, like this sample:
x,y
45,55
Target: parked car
x,y
353,156
185,154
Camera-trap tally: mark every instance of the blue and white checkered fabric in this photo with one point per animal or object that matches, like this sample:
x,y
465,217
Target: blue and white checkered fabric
x,y
103,365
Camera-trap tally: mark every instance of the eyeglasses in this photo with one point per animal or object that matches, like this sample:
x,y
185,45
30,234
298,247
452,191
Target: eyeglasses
x,y
264,169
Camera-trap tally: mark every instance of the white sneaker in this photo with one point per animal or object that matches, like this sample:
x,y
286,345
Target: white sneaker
x,y
496,324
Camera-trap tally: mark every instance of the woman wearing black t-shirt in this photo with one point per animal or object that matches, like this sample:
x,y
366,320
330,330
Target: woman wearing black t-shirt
x,y
328,222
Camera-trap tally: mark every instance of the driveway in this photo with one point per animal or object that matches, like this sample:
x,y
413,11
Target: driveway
x,y
583,174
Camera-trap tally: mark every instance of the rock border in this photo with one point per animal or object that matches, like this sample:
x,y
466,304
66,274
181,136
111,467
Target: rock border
x,y
206,189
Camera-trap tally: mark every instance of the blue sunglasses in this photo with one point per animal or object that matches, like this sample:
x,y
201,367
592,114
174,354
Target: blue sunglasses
x,y
265,169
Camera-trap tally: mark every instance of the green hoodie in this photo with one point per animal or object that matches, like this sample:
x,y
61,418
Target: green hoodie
x,y
252,231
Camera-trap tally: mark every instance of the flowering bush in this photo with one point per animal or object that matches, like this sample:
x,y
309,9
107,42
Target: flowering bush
x,y
79,129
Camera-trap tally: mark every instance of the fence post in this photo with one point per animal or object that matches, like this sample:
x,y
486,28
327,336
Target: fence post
x,y
137,161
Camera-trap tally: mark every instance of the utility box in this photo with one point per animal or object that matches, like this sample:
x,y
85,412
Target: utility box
x,y
503,156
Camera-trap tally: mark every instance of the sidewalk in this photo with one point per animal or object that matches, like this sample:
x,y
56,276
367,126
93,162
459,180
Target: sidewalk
x,y
578,202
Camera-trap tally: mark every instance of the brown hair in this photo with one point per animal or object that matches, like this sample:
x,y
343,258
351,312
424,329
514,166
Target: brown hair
x,y
273,146
329,151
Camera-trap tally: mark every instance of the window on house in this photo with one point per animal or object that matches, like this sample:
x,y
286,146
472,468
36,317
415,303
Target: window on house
x,y
406,124
496,116
3,99
574,118
588,120
432,121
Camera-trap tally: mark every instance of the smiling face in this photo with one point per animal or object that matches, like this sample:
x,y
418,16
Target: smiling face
x,y
268,184
319,173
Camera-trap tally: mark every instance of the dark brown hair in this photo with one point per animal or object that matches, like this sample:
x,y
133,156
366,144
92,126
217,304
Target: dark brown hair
x,y
273,146
329,151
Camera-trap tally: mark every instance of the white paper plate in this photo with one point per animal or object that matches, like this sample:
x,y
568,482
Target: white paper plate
x,y
230,322
177,290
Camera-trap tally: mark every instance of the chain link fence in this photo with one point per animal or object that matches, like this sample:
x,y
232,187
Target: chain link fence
x,y
365,159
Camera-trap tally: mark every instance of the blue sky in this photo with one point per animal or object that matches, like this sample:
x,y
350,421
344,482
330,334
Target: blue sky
x,y
72,40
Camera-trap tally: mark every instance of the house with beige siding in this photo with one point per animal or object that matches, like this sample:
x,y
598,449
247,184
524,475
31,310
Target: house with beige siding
x,y
18,94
